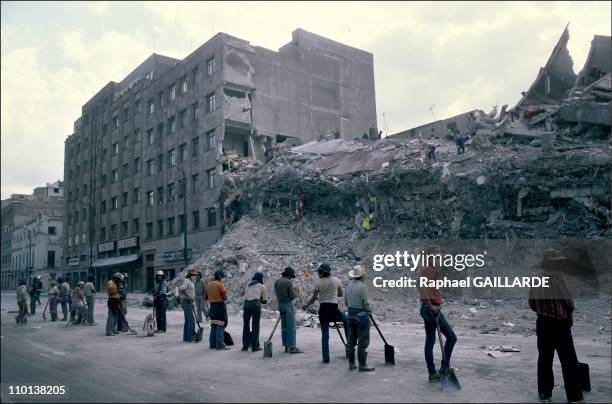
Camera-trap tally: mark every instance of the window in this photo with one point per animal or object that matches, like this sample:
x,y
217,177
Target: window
x,y
196,110
195,222
69,241
137,135
195,147
85,190
211,214
115,121
151,108
114,203
136,107
182,189
51,230
126,170
210,66
160,195
150,198
115,148
103,181
173,92
160,228
183,152
182,223
102,233
170,226
149,75
124,228
196,75
162,101
102,208
105,129
114,175
83,238
51,259
149,231
84,214
126,142
69,219
160,162
113,231
171,192
136,226
136,195
172,157
195,183
104,154
210,174
137,165
211,140
184,85
160,131
124,199
183,118
150,136
211,104
172,125
150,167
126,114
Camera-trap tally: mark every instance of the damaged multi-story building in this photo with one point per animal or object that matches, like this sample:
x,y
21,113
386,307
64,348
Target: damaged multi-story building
x,y
143,163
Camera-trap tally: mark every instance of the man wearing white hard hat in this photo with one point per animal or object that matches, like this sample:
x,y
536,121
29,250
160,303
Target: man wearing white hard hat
x,y
358,323
114,303
160,301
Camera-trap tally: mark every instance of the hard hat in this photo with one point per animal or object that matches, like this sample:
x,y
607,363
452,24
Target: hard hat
x,y
80,283
118,275
159,273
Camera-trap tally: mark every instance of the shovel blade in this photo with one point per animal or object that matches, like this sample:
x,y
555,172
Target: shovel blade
x,y
389,355
199,334
449,380
267,351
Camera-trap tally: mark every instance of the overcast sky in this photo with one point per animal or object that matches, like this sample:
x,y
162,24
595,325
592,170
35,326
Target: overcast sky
x,y
458,56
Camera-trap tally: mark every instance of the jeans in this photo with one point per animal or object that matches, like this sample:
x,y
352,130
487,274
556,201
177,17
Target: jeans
x,y
64,303
218,322
358,335
430,338
53,308
161,304
556,335
250,335
189,326
328,312
76,314
113,315
33,298
201,308
90,309
215,340
288,330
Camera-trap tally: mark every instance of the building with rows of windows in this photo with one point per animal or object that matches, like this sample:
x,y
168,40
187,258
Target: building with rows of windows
x,y
144,162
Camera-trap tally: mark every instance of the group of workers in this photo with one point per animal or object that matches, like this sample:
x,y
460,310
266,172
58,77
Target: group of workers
x,y
553,305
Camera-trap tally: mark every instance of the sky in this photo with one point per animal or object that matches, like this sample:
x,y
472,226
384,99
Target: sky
x,y
456,56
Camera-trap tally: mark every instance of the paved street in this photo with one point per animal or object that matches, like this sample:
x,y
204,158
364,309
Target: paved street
x,y
126,368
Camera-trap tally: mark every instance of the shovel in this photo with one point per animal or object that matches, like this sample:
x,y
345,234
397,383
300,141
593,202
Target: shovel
x,y
200,332
447,375
122,318
342,339
267,351
46,305
389,349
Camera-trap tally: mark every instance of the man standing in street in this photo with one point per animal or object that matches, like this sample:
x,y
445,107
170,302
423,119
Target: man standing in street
x,y
199,297
285,294
554,306
65,301
114,303
35,293
76,314
160,301
53,296
22,302
123,291
431,300
89,291
216,294
327,289
187,296
254,296
358,323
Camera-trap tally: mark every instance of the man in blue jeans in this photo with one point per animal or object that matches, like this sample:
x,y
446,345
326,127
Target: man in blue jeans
x,y
431,300
285,294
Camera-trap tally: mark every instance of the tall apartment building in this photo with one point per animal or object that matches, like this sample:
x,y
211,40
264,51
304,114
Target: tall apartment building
x,y
144,163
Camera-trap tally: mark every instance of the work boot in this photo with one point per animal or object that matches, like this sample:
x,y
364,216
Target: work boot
x,y
434,377
363,367
351,358
286,349
295,351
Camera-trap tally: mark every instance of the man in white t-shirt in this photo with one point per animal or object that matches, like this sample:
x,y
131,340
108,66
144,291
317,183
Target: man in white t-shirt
x,y
327,289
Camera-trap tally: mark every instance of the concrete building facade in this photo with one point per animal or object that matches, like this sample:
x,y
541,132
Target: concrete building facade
x,y
144,164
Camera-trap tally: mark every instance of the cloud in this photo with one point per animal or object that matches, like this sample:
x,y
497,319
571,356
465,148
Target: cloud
x,y
98,7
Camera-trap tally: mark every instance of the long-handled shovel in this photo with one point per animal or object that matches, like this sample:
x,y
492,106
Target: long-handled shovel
x,y
46,305
389,349
267,351
200,332
122,318
342,339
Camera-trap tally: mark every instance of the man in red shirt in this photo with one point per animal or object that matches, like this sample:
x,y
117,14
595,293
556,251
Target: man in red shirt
x,y
431,301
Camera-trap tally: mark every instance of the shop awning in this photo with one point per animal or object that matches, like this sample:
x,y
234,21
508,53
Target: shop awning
x,y
116,261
